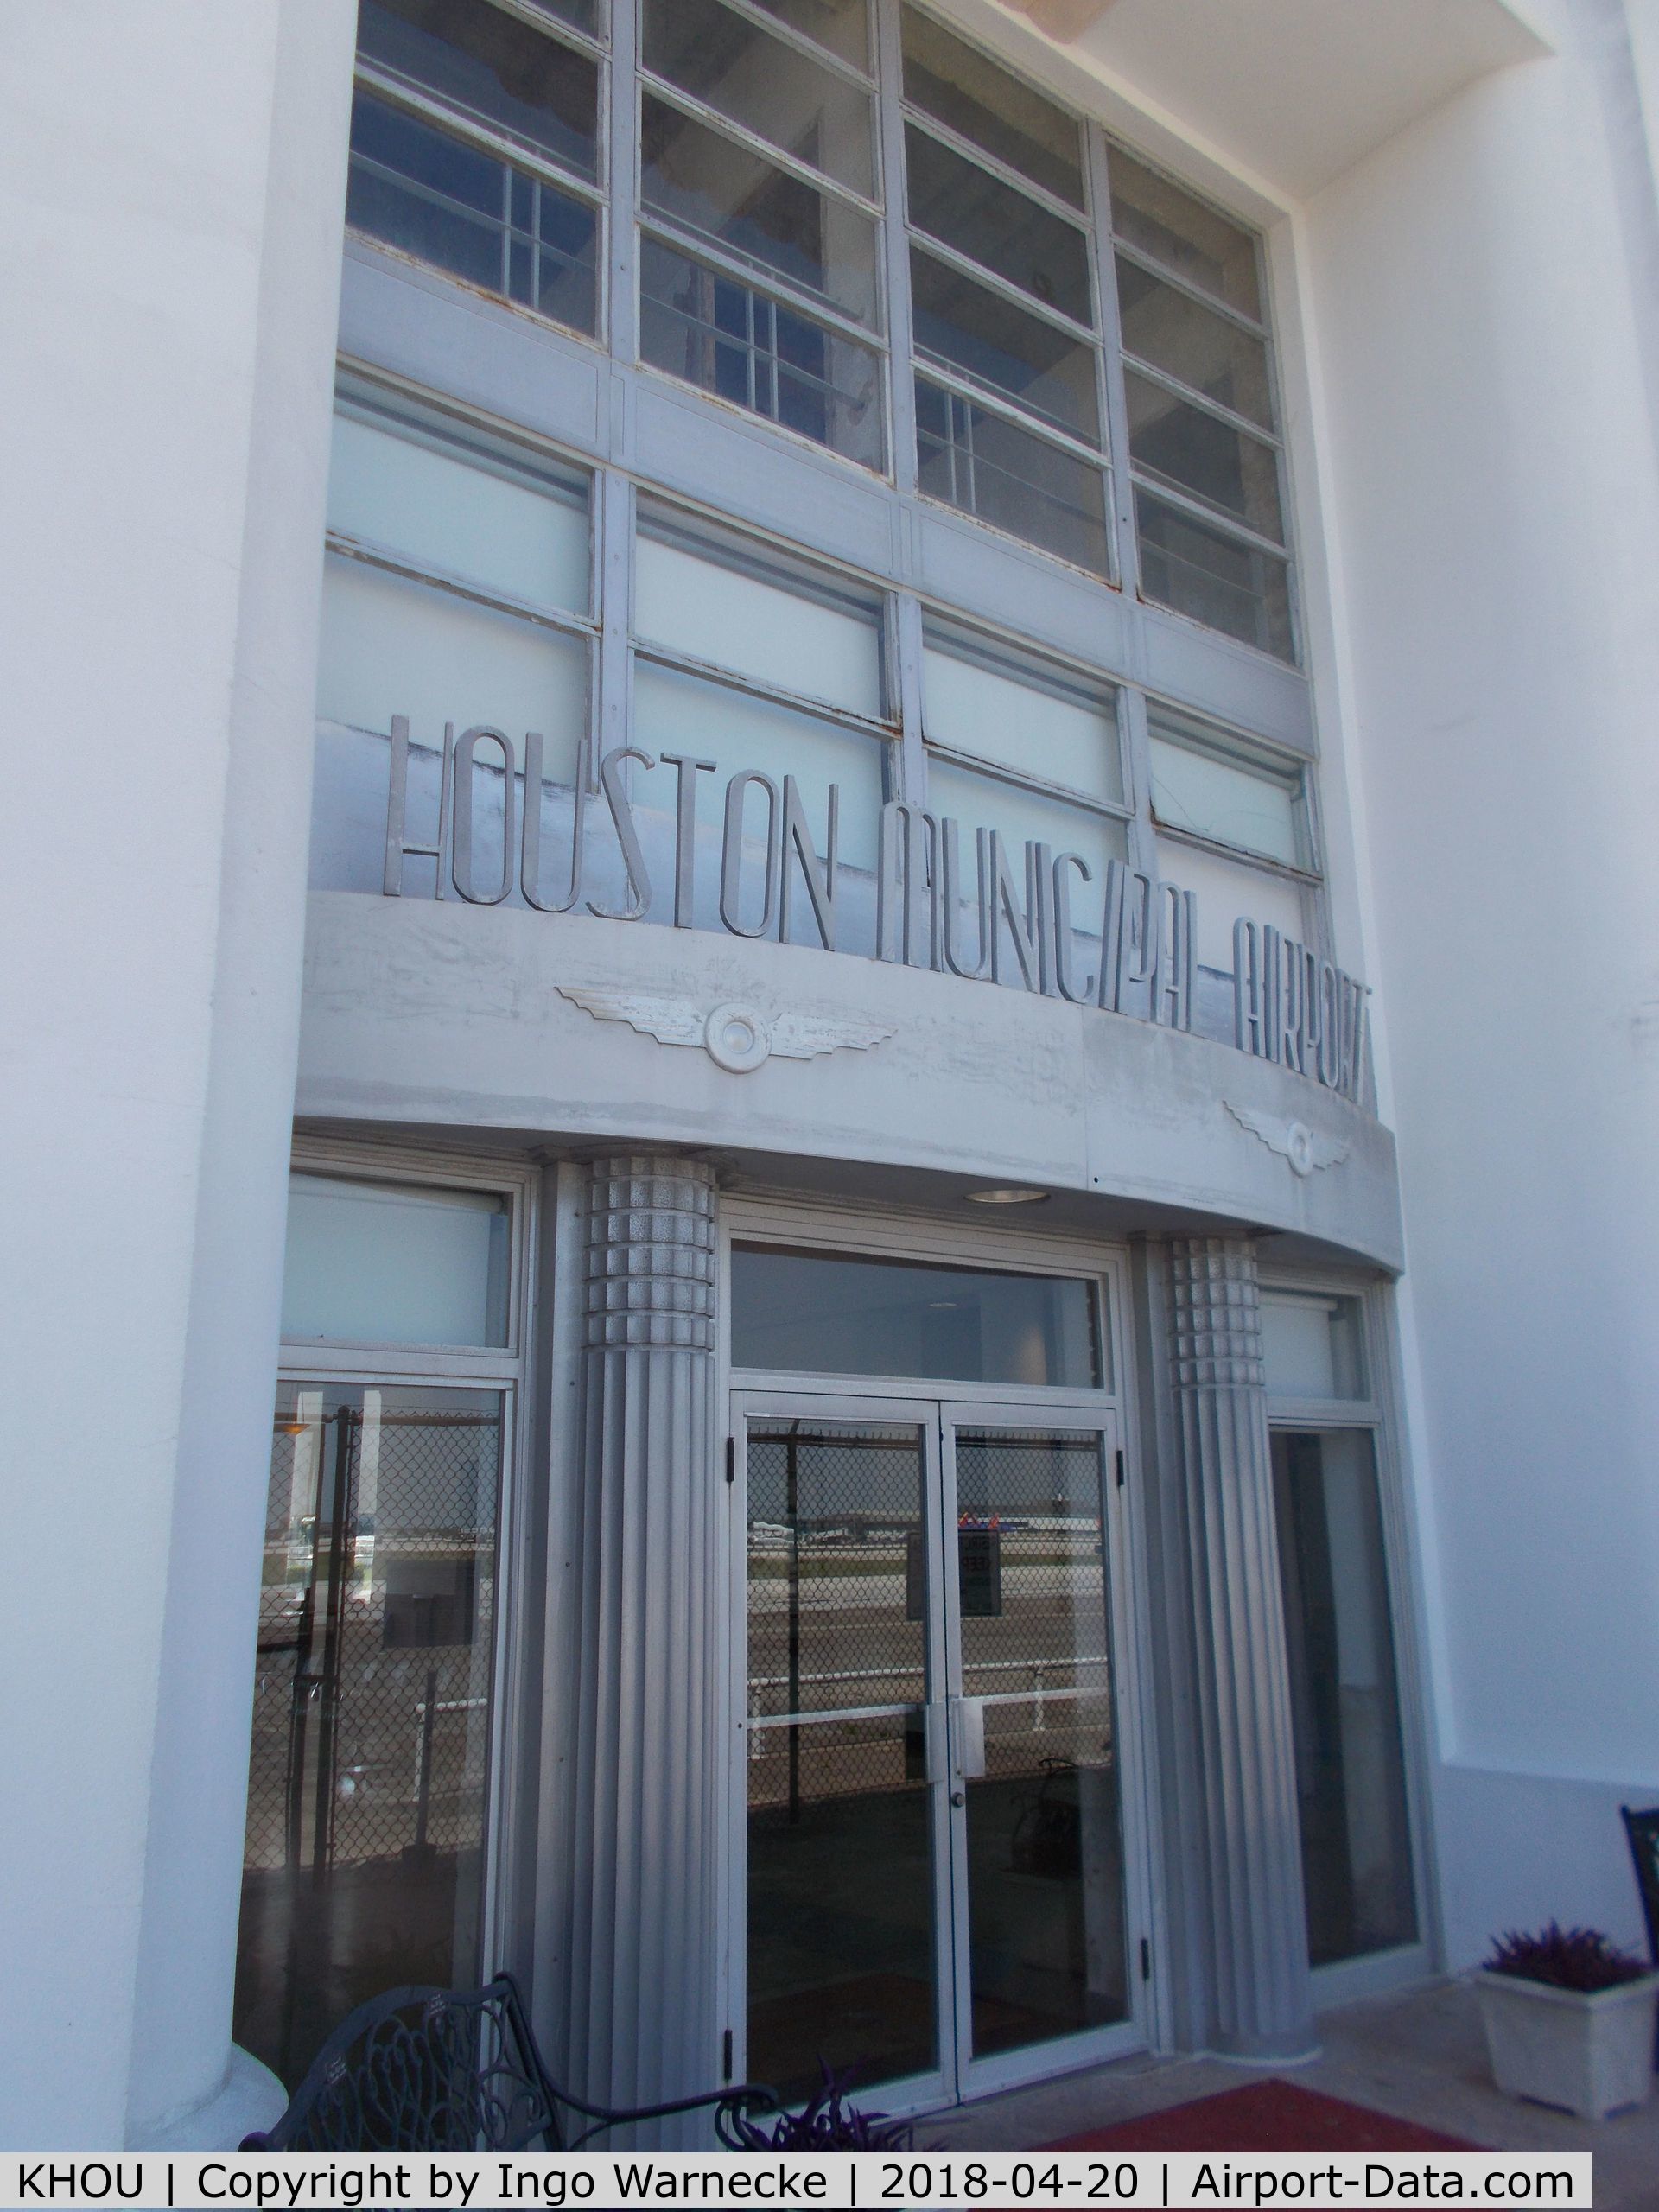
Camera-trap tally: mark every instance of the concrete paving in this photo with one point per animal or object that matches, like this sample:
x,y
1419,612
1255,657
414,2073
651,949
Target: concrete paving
x,y
1418,2054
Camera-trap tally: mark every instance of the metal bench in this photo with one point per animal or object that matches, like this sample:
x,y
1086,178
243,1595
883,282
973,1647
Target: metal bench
x,y
458,2069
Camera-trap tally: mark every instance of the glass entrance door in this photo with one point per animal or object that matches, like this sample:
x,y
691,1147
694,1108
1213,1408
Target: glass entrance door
x,y
941,1817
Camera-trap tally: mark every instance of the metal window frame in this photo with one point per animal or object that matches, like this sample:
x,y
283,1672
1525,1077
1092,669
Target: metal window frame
x,y
1088,219
699,540
1111,244
362,396
507,1370
1006,655
1379,1415
760,1216
1276,763
903,620
994,585
744,267
505,145
795,165
803,41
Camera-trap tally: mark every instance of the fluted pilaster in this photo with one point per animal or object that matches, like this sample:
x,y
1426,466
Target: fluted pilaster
x,y
640,1997
1264,2001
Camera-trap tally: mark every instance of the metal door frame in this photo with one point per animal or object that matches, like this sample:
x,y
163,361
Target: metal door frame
x,y
1088,2046
916,2092
936,1412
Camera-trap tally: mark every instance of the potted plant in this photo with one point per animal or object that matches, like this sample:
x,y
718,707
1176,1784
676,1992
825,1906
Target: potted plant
x,y
1569,2020
827,2123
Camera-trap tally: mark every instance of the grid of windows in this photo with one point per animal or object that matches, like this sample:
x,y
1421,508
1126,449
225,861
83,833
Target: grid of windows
x,y
816,183
474,146
1010,407
463,591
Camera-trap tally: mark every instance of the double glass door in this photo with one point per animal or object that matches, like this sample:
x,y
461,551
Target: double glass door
x,y
942,1867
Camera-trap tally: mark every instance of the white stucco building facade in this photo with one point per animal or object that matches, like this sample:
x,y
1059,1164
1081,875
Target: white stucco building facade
x,y
892,1437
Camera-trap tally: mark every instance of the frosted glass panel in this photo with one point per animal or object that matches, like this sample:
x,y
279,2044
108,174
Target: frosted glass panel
x,y
983,801
1063,736
1311,1345
1226,889
387,1263
687,714
392,647
733,621
447,513
1227,800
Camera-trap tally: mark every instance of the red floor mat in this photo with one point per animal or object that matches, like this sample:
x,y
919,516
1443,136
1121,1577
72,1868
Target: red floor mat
x,y
1263,2116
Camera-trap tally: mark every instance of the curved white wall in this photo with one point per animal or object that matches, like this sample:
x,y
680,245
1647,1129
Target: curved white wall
x,y
1493,496
174,172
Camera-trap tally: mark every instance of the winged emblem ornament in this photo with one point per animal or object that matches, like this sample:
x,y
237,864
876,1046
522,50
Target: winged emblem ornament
x,y
737,1038
1307,1150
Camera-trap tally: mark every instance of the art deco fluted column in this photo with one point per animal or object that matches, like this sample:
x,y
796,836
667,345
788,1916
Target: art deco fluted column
x,y
638,1995
1262,1994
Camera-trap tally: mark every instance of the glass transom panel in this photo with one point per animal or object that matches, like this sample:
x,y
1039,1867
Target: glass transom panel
x,y
1312,1344
1012,717
728,618
451,513
394,1264
1228,799
831,1313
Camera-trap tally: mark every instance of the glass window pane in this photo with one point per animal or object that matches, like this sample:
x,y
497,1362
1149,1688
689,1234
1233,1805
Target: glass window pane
x,y
1173,332
683,713
1344,1702
1311,1344
1021,816
392,647
986,465
981,101
991,223
1048,1938
771,89
471,214
363,1867
1062,732
712,184
1225,795
842,27
1199,569
389,1264
1225,890
1193,240
1200,453
491,64
727,615
986,337
729,339
448,512
827,1313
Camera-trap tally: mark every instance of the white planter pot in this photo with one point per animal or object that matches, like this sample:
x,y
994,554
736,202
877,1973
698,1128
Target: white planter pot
x,y
1586,2055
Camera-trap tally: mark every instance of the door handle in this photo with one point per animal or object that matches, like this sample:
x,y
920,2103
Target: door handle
x,y
924,1743
971,1737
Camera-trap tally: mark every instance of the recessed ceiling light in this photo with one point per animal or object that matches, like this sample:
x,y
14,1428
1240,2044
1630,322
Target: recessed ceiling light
x,y
1013,1195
